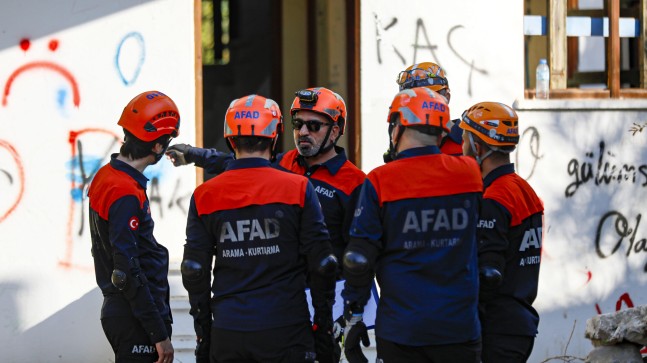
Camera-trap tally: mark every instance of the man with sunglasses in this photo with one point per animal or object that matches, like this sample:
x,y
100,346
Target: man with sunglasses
x,y
432,76
318,120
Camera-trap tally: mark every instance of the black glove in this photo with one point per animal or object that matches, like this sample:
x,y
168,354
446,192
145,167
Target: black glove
x,y
490,279
179,154
203,344
355,332
324,341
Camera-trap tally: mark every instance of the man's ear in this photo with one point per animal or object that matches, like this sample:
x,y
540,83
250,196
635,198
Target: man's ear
x,y
477,148
334,134
158,148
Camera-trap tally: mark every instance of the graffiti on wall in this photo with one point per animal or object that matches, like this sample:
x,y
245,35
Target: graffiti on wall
x,y
422,46
25,44
623,234
89,148
12,179
528,150
600,167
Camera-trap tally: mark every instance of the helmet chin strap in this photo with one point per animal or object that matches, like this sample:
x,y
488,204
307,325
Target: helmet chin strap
x,y
325,149
479,159
273,149
393,144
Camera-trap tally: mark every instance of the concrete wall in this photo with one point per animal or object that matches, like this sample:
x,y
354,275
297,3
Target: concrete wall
x,y
67,69
479,44
591,173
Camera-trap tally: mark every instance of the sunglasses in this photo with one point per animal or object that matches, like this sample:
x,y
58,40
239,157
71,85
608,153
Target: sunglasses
x,y
313,126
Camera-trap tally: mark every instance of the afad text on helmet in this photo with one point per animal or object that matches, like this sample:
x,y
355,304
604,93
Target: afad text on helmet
x,y
246,114
435,106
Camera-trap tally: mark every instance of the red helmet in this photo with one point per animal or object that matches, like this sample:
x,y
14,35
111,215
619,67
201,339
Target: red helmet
x,y
323,101
495,123
253,115
426,74
150,115
419,107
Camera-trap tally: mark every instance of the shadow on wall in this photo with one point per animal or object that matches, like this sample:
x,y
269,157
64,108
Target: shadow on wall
x,y
9,319
66,336
40,18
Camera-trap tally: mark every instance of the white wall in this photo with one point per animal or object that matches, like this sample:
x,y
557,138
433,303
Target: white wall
x,y
481,47
479,44
591,173
68,69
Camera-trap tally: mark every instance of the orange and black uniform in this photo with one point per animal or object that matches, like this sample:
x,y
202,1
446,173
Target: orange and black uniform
x,y
416,218
452,143
137,315
337,183
510,236
266,230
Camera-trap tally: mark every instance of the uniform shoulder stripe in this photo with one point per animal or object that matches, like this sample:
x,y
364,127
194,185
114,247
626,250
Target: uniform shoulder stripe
x,y
426,176
346,180
516,195
110,184
252,186
288,162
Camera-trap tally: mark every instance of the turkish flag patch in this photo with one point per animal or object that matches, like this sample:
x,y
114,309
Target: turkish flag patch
x,y
133,223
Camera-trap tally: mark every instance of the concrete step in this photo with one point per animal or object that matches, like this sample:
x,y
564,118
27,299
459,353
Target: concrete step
x,y
184,346
183,333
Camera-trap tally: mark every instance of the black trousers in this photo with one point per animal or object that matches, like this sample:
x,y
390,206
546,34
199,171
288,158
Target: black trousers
x,y
498,348
290,344
129,340
390,352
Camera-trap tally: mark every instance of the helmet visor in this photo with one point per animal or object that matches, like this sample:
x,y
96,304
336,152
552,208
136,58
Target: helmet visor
x,y
418,77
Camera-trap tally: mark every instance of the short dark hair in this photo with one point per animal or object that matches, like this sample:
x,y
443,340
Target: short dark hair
x,y
428,129
250,144
425,129
135,148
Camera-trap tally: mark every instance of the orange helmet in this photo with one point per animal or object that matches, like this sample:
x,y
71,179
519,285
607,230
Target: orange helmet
x,y
419,107
323,101
493,122
150,115
253,115
426,74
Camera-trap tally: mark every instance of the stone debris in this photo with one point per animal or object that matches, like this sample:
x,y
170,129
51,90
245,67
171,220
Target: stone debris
x,y
621,353
617,337
628,325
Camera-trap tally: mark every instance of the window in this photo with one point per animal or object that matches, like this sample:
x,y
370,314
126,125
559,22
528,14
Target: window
x,y
594,48
215,32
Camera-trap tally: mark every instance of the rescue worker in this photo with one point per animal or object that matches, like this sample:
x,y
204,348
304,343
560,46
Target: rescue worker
x,y
432,76
131,266
415,230
510,235
267,232
318,120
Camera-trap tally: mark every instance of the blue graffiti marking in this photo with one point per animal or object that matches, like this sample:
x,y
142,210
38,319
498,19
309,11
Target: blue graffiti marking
x,y
78,176
140,41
